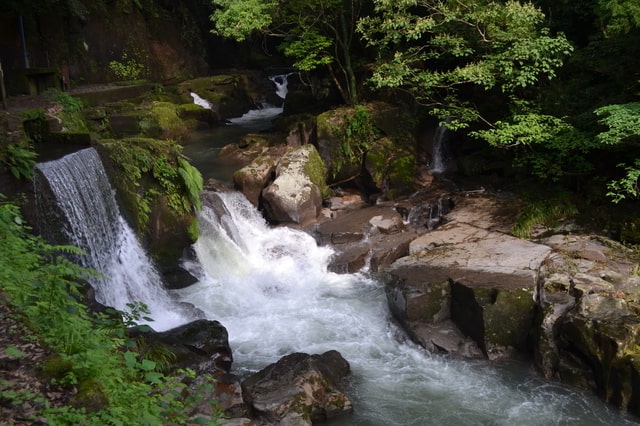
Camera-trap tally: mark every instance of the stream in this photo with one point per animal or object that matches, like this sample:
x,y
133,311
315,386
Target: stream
x,y
271,289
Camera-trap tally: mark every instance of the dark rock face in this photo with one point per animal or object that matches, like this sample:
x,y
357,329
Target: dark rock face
x,y
299,389
202,345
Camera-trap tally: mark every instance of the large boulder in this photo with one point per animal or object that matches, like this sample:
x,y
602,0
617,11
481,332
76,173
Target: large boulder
x,y
393,167
228,95
383,134
295,196
299,389
372,236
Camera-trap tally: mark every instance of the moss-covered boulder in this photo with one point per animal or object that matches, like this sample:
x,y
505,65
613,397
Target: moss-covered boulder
x,y
295,196
158,192
392,167
251,146
378,136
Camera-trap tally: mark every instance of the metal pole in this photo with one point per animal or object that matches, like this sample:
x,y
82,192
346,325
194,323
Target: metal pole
x,y
3,93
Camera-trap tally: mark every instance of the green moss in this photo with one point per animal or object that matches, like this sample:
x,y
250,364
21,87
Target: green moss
x,y
392,167
150,169
164,116
91,396
317,171
509,319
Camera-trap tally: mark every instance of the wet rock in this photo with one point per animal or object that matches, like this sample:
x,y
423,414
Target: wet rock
x,y
202,345
254,177
299,389
470,279
599,340
228,394
295,196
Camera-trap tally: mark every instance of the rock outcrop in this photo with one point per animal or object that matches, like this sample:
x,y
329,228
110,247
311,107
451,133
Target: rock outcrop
x,y
589,327
478,283
299,389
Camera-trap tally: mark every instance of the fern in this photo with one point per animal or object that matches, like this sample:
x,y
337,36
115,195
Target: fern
x,y
192,181
20,161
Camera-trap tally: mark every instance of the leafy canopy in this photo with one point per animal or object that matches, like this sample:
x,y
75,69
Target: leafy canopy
x,y
314,34
623,123
239,19
435,49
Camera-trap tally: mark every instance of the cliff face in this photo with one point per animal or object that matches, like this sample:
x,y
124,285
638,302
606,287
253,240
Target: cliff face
x,y
162,41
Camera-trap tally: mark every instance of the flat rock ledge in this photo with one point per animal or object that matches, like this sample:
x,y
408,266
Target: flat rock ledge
x,y
478,284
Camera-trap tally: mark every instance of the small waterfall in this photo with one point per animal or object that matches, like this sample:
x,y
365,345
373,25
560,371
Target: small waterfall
x,y
281,82
198,100
86,209
441,156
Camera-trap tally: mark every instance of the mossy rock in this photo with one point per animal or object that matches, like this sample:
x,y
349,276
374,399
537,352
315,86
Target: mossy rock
x,y
91,396
392,167
329,129
316,170
346,135
162,121
509,319
153,194
230,94
194,115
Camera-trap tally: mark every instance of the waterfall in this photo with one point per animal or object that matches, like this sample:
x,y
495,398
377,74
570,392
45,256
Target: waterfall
x,y
198,100
272,290
281,82
85,205
441,153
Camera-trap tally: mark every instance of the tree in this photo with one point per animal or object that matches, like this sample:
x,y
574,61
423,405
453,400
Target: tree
x,y
623,127
319,33
440,51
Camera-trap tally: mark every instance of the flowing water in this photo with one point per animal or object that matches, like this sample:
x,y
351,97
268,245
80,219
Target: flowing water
x,y
92,221
203,146
271,290
441,158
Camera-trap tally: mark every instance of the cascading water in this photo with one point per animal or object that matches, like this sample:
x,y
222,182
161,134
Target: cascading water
x,y
270,288
198,100
281,82
92,222
441,155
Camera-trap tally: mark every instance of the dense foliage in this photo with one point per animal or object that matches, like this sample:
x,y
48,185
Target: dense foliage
x,y
315,34
115,384
553,83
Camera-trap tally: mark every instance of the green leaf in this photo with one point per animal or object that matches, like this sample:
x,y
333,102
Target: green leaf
x,y
130,359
